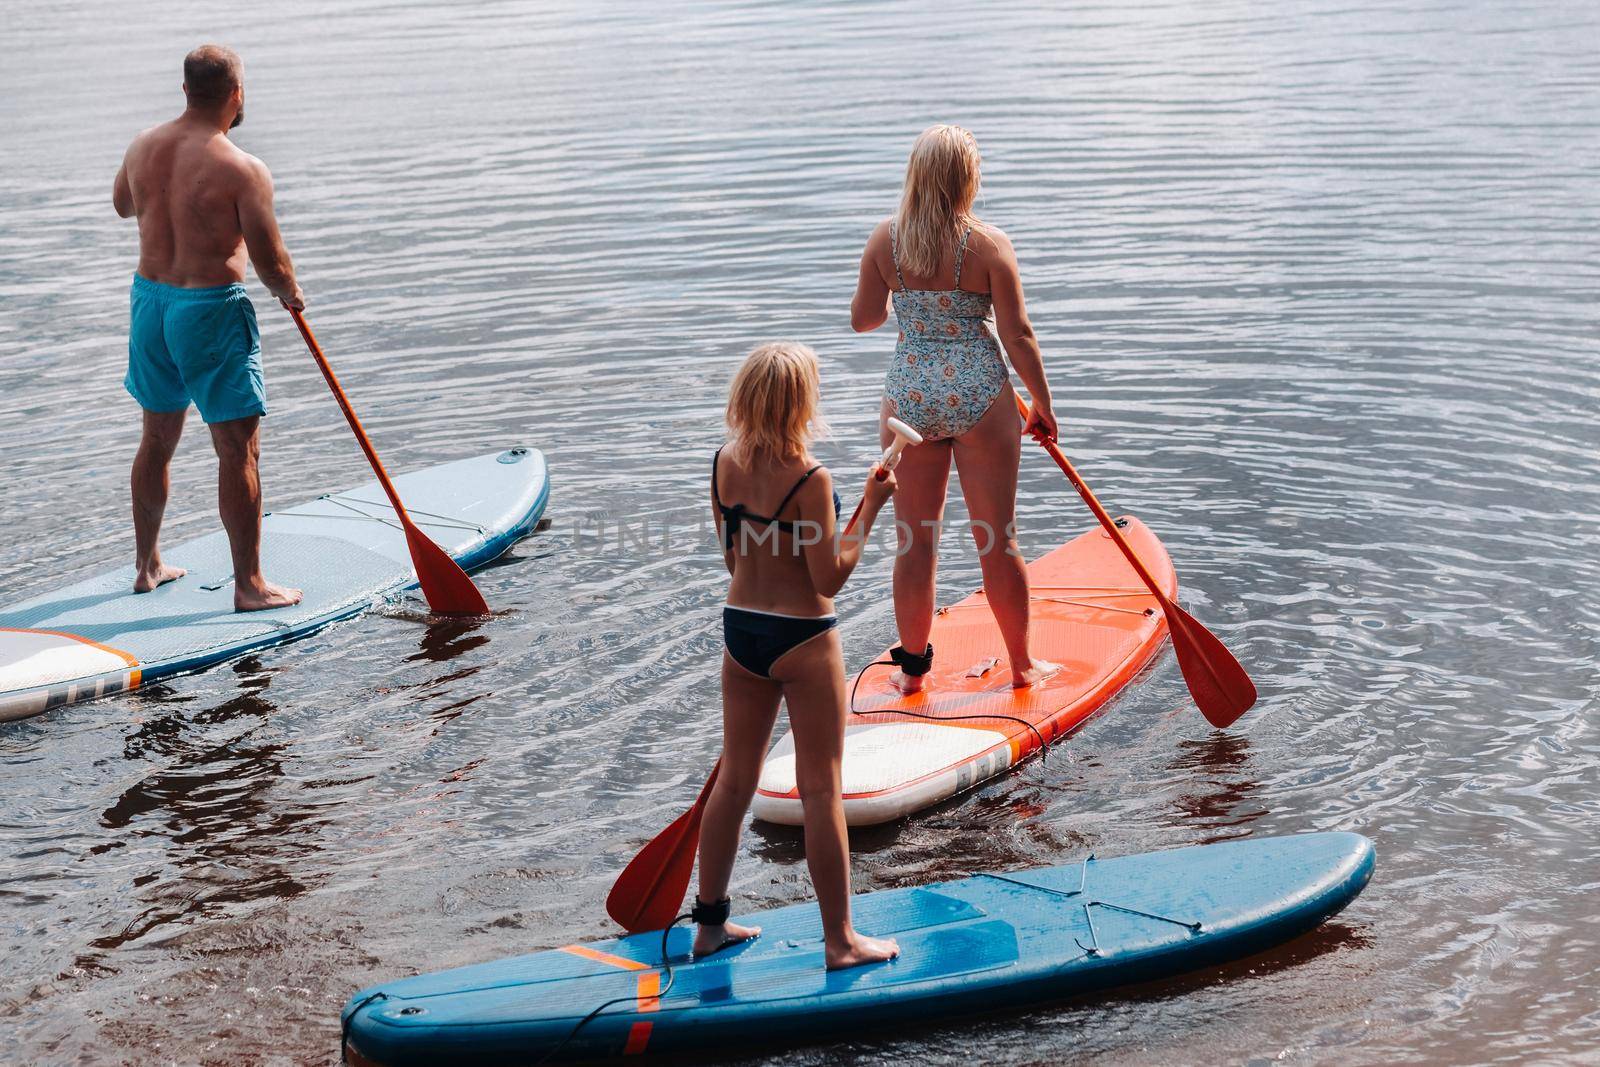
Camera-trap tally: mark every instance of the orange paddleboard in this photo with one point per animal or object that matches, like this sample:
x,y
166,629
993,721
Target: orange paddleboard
x,y
1090,613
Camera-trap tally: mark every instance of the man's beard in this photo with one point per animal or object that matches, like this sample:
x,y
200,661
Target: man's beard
x,y
238,118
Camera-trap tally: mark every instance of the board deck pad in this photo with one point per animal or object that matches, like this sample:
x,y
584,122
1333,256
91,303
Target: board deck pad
x,y
345,551
1090,613
984,943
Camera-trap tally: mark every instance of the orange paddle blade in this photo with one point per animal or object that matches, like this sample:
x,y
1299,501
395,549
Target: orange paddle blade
x,y
1220,687
445,585
650,890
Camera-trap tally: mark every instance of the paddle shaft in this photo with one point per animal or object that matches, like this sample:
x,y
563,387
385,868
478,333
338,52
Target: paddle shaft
x,y
350,417
1099,512
445,585
1221,687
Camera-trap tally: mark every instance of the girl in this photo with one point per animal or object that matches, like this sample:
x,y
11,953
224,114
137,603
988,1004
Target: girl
x,y
944,270
777,513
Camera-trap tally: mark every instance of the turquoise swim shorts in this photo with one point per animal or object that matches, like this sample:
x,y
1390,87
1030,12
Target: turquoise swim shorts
x,y
195,344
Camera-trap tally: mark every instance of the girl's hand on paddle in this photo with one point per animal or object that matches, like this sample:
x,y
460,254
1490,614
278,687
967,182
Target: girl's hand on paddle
x,y
1041,424
878,491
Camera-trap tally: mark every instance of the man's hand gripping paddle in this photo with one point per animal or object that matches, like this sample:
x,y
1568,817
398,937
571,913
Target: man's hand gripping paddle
x,y
1220,687
650,889
445,585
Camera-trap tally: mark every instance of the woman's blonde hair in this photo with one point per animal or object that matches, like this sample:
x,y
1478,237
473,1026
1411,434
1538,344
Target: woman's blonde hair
x,y
936,207
772,404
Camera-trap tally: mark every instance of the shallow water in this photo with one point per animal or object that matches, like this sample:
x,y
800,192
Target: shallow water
x,y
1316,286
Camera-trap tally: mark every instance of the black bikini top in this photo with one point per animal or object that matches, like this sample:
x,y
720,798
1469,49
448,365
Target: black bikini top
x,y
734,518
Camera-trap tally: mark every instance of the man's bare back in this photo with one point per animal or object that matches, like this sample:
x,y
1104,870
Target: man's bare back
x,y
204,208
204,205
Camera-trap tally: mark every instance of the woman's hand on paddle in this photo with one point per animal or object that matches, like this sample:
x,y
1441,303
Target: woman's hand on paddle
x,y
1041,424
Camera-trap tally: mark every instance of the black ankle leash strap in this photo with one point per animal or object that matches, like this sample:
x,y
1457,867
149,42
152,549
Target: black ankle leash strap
x,y
714,914
911,663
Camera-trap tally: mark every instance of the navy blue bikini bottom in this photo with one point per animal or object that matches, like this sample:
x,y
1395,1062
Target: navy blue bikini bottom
x,y
758,639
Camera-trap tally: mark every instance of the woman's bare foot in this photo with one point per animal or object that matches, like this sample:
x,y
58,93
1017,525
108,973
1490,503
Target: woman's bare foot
x,y
709,939
1041,670
262,595
861,949
155,575
907,683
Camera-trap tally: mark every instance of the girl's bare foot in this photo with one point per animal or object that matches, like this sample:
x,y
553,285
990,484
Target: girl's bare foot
x,y
262,595
1041,670
709,939
861,949
907,683
157,574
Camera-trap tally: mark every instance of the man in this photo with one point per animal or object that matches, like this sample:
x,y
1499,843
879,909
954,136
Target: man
x,y
203,205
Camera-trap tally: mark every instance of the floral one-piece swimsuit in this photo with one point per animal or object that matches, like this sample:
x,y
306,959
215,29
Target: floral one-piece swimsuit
x,y
947,366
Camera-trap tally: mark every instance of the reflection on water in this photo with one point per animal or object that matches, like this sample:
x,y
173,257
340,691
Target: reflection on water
x,y
1315,284
445,639
216,802
1217,793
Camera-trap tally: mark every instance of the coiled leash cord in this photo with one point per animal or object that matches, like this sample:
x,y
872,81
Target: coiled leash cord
x,y
699,909
344,1024
344,1028
910,662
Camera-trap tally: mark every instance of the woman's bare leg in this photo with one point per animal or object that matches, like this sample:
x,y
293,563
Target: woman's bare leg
x,y
749,708
922,477
814,688
987,456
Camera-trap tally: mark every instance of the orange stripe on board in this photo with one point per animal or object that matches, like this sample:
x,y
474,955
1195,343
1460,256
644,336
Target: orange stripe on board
x,y
605,957
649,991
638,1038
129,660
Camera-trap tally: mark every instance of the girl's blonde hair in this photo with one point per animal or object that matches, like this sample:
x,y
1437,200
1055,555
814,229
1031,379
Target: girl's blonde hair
x,y
772,405
936,207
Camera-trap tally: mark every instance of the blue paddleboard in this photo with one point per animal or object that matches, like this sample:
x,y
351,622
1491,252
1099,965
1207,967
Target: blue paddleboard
x,y
979,944
345,551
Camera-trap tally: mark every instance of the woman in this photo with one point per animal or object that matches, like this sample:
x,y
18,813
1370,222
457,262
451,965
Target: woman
x,y
778,516
944,270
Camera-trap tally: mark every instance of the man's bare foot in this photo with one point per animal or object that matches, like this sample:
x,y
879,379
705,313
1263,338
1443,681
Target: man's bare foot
x,y
159,574
262,595
709,939
861,949
1042,670
907,683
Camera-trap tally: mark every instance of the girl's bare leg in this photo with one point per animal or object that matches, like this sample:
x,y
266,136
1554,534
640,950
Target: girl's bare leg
x,y
814,688
922,476
987,456
749,708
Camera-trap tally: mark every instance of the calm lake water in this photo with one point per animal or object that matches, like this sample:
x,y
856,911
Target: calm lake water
x,y
1316,284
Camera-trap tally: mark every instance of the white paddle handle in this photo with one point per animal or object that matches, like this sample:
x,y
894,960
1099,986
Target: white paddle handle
x,y
903,436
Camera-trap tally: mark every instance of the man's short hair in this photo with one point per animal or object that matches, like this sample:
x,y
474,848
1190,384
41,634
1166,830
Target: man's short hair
x,y
211,73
